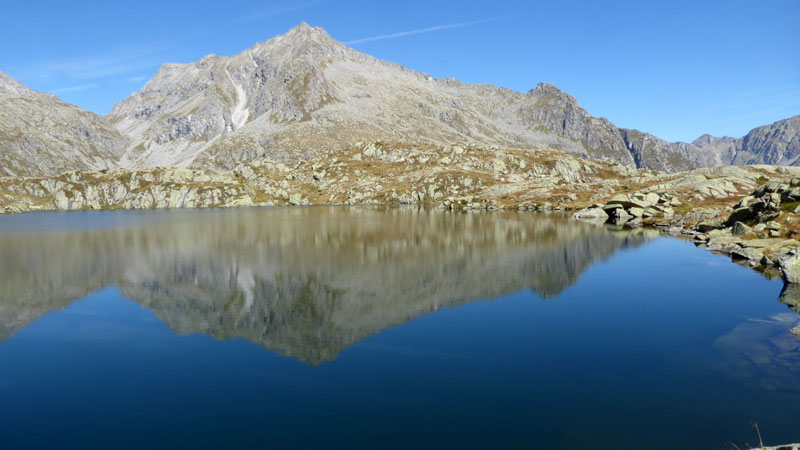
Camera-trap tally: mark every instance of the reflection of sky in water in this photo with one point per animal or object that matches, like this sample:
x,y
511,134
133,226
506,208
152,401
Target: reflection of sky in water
x,y
402,331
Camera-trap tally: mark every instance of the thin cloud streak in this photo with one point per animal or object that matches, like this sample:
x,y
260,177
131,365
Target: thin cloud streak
x,y
401,34
104,63
82,87
92,68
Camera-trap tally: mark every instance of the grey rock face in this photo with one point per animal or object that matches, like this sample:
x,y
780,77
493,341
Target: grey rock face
x,y
41,135
303,91
777,144
790,268
739,228
651,152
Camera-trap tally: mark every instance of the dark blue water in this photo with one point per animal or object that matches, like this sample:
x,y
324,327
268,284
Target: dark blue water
x,y
347,328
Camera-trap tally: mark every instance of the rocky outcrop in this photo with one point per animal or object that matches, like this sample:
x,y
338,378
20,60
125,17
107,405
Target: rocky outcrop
x,y
760,229
124,189
639,206
452,178
767,203
470,178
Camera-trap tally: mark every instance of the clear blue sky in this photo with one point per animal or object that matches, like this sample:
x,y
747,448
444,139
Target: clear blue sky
x,y
674,69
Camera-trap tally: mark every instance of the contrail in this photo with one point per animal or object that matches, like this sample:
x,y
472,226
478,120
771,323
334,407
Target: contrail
x,y
75,88
423,30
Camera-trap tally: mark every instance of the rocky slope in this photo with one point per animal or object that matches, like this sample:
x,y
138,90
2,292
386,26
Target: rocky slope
x,y
777,144
41,135
305,93
386,173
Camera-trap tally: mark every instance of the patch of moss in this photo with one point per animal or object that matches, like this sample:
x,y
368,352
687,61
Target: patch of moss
x,y
790,206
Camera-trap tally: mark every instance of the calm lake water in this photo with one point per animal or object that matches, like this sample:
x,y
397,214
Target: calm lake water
x,y
379,327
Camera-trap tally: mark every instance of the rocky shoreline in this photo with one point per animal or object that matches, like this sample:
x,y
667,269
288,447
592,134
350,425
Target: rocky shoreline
x,y
759,231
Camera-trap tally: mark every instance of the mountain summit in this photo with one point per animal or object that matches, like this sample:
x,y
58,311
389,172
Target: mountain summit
x,y
302,94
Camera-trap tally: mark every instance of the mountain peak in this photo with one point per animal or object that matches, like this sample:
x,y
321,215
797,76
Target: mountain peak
x,y
306,31
298,40
704,140
9,85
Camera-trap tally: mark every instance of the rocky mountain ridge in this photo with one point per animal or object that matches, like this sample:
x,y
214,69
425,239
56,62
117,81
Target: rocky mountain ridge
x,y
303,94
41,135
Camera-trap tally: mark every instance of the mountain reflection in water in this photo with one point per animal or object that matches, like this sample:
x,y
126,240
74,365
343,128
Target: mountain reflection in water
x,y
303,282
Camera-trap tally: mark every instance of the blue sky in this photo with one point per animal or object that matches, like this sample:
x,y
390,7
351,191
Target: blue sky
x,y
674,69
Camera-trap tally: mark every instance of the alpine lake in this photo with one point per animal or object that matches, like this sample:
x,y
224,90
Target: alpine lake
x,y
382,327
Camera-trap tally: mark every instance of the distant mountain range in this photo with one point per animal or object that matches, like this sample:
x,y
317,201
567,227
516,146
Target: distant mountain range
x,y
302,94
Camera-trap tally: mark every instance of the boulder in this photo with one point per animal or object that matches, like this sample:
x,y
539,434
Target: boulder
x,y
772,225
636,212
592,214
610,207
708,225
770,187
748,213
751,254
61,200
790,267
746,201
297,199
652,198
627,201
739,228
773,200
774,244
792,195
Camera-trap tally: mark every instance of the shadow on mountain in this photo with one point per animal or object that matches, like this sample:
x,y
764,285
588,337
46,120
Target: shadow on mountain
x,y
304,282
